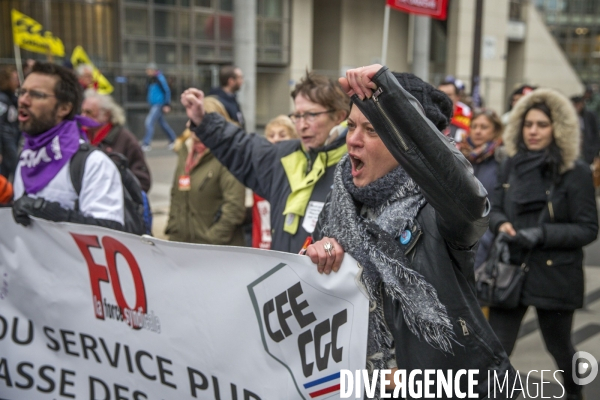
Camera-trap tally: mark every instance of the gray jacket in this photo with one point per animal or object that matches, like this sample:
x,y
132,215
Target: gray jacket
x,y
257,164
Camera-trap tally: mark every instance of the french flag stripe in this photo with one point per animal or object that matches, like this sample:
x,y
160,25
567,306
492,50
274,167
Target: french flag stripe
x,y
325,391
322,380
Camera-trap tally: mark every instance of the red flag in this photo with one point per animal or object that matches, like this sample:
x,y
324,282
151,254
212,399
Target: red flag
x,y
433,8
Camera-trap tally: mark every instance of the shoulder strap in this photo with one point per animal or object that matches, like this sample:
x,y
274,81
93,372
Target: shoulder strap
x,y
77,166
508,166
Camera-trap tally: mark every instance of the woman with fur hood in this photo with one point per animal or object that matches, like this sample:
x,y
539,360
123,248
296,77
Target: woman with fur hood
x,y
544,205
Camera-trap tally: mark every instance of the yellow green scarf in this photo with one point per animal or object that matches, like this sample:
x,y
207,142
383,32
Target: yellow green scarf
x,y
302,185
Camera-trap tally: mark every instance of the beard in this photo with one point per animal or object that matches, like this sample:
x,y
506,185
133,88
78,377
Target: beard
x,y
36,125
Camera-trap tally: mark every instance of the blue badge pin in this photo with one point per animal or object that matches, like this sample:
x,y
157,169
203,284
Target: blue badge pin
x,y
405,236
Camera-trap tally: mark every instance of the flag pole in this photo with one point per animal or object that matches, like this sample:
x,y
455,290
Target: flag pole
x,y
19,63
386,29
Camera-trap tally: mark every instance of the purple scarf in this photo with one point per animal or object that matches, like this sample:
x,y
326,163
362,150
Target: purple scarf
x,y
44,155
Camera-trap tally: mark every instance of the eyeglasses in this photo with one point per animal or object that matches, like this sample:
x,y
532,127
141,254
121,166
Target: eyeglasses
x,y
34,94
308,116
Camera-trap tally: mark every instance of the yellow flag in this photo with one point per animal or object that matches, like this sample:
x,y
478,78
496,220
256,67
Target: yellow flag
x,y
29,34
80,57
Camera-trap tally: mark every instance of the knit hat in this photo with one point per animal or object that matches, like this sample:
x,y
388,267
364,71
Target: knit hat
x,y
437,105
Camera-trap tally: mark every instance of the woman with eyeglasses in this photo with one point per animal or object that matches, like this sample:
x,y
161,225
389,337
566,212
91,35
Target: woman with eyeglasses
x,y
295,176
481,149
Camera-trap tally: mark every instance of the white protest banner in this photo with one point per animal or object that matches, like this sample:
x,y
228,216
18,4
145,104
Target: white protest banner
x,y
93,314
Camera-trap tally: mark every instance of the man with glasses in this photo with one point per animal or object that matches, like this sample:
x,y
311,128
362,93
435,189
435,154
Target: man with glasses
x,y
48,102
295,176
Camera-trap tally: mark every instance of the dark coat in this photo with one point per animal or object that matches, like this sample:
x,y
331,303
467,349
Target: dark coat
x,y
486,171
120,140
443,240
555,277
9,134
570,220
213,210
257,164
229,101
591,139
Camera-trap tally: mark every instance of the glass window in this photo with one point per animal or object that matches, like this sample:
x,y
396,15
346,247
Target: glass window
x,y
202,3
272,35
205,27
272,55
136,1
185,3
136,22
184,25
165,2
185,54
165,53
136,88
226,5
165,23
226,52
204,52
272,8
136,52
226,27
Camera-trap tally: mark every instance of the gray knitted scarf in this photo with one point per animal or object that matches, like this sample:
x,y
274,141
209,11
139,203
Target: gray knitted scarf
x,y
393,202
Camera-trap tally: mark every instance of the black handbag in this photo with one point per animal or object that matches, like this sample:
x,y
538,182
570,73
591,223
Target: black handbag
x,y
499,283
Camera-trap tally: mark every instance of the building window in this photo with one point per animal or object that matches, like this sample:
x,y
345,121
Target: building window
x,y
165,24
136,52
272,31
136,22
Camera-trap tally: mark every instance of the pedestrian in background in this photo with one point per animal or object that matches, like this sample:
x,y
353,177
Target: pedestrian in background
x,y
112,136
9,125
481,149
295,176
85,77
461,116
590,139
546,207
278,129
207,202
231,80
515,96
159,99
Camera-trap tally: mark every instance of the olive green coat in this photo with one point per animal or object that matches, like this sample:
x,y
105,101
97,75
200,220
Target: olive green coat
x,y
212,211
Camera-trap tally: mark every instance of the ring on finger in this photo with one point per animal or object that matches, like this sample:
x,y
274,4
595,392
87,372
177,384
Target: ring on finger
x,y
328,247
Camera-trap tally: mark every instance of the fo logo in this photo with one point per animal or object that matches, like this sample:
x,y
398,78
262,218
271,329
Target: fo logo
x,y
133,316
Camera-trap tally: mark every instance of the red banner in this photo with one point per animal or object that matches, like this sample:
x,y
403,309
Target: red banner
x,y
433,8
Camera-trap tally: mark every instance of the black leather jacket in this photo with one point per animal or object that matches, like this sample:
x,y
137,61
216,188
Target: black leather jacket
x,y
444,240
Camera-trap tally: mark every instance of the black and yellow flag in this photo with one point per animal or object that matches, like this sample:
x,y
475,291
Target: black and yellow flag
x,y
80,57
29,34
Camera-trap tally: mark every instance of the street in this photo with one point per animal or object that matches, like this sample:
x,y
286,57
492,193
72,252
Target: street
x,y
529,354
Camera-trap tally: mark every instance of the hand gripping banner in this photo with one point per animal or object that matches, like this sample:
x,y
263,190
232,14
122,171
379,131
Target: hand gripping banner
x,y
91,313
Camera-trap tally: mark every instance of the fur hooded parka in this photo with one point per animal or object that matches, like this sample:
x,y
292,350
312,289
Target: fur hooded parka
x,y
565,125
570,219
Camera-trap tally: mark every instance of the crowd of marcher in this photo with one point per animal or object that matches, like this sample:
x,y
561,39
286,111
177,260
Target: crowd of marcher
x,y
409,179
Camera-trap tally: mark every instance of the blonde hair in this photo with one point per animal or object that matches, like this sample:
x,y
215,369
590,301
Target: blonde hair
x,y
211,104
285,122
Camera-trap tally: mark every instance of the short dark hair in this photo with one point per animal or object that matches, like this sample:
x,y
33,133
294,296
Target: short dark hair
x,y
322,90
67,89
226,72
5,77
446,83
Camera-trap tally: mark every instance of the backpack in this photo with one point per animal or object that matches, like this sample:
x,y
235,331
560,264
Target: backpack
x,y
133,195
